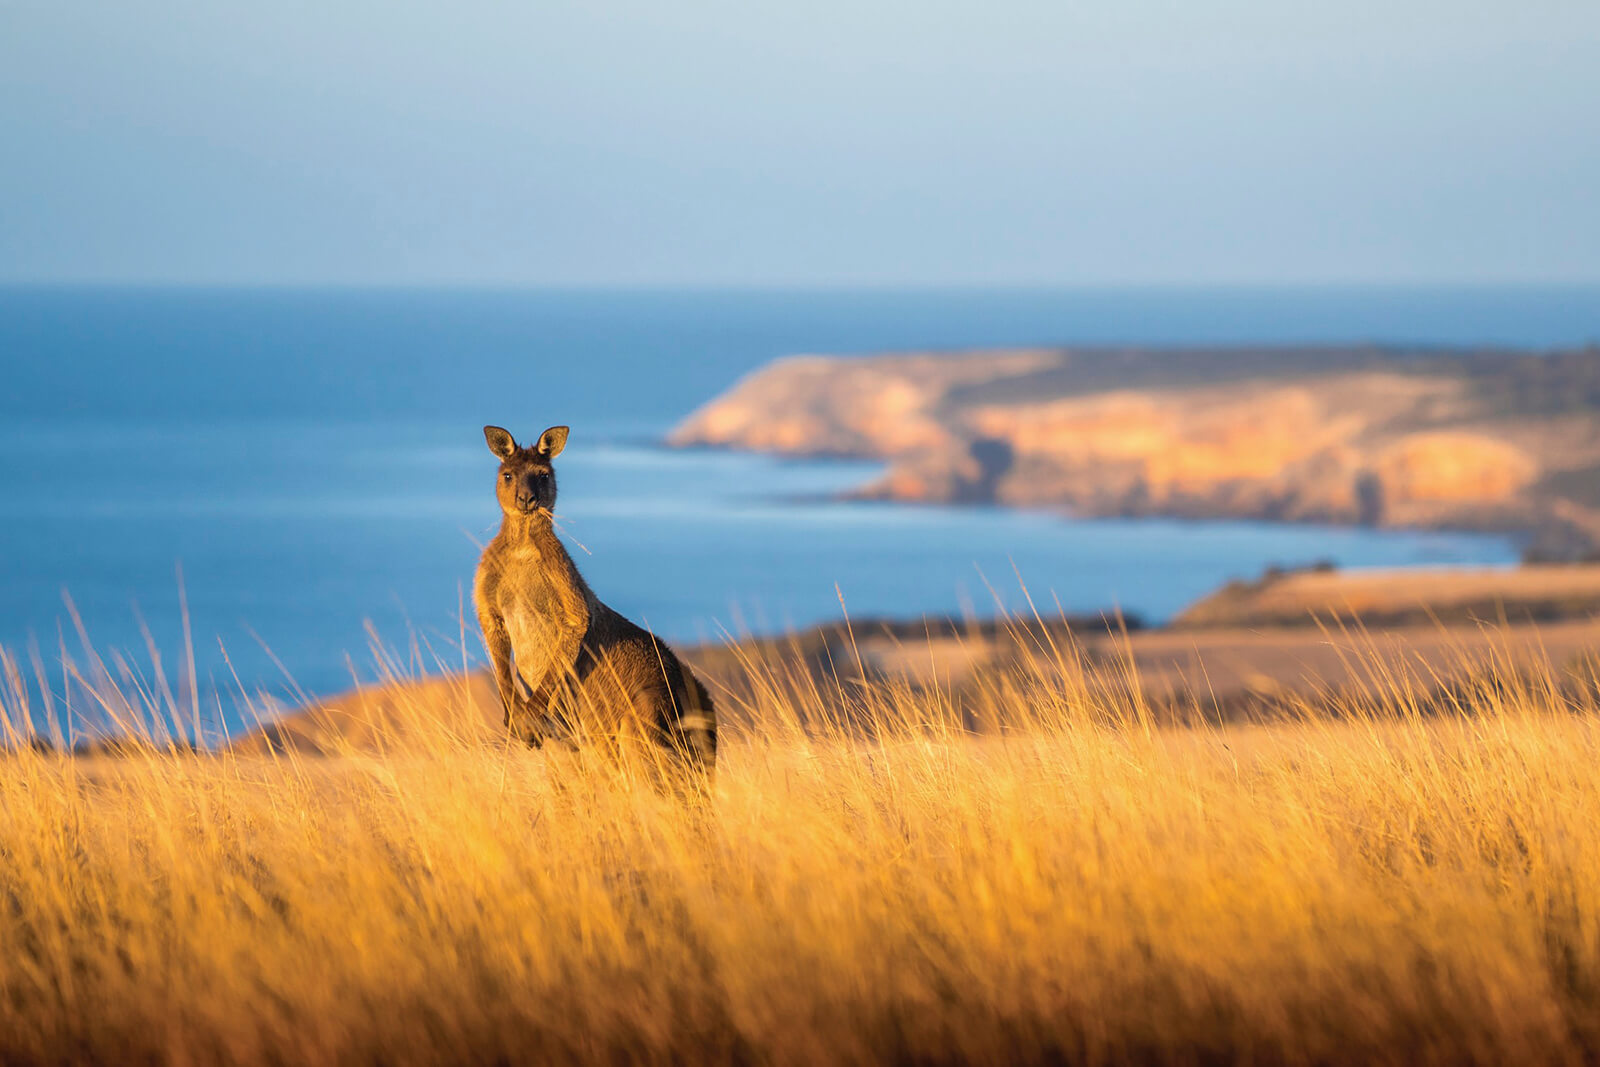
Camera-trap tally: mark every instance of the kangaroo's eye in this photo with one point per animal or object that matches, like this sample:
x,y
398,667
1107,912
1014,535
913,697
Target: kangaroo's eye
x,y
506,477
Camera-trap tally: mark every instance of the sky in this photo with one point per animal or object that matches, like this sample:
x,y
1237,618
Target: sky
x,y
825,143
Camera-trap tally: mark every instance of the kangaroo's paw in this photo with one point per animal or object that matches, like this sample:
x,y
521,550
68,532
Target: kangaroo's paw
x,y
523,724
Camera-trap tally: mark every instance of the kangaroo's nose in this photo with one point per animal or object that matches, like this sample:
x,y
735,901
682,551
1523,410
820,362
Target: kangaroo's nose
x,y
524,499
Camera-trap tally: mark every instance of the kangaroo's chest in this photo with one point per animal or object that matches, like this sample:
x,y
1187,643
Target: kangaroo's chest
x,y
540,622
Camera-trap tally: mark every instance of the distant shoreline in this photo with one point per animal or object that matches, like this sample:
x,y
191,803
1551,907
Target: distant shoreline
x,y
1481,440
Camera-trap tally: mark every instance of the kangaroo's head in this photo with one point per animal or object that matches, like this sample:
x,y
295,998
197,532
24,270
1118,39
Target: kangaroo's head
x,y
527,481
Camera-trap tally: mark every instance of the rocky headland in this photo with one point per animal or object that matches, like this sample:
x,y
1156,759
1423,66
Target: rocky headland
x,y
1493,440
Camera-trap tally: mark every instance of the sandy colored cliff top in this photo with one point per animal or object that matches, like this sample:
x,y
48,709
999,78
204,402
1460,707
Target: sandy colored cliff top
x,y
1490,440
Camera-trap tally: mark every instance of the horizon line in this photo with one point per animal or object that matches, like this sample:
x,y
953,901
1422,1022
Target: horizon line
x,y
797,287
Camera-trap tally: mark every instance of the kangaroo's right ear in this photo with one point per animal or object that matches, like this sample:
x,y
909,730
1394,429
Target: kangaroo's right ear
x,y
552,441
501,443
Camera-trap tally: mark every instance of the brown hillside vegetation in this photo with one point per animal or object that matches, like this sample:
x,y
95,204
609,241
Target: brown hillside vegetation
x,y
1232,667
1047,870
1477,440
1403,596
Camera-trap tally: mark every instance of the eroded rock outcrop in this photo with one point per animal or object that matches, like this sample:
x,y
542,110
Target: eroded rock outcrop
x,y
1476,440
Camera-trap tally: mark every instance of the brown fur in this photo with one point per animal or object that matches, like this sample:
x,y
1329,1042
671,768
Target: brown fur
x,y
568,667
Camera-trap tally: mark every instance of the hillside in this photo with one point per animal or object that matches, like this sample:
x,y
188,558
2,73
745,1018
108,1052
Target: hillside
x,y
1400,597
1484,440
1246,651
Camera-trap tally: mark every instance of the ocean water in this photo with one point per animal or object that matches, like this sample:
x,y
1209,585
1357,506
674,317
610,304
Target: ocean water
x,y
312,464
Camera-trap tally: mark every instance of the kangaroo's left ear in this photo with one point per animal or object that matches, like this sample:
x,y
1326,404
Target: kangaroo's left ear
x,y
552,441
500,441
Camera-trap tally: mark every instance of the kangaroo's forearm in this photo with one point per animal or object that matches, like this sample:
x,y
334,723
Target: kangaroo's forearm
x,y
499,645
505,685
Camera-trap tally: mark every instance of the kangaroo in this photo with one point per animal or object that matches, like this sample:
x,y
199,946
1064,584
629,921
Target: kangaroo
x,y
568,667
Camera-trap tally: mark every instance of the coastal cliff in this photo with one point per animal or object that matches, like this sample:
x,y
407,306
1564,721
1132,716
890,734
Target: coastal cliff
x,y
1487,440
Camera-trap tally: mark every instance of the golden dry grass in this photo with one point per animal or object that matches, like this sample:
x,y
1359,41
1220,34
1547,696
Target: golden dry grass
x,y
872,882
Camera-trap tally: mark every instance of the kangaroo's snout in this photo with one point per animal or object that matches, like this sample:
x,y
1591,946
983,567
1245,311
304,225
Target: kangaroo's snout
x,y
530,492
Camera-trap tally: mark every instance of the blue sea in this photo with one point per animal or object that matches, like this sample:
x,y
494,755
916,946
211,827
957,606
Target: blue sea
x,y
307,468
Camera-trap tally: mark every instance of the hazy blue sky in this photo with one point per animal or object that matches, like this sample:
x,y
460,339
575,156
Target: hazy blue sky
x,y
823,142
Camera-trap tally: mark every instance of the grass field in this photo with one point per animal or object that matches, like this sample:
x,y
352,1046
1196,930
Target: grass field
x,y
1041,871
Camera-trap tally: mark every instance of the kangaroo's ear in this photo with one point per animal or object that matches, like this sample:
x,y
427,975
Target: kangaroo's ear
x,y
501,443
552,441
